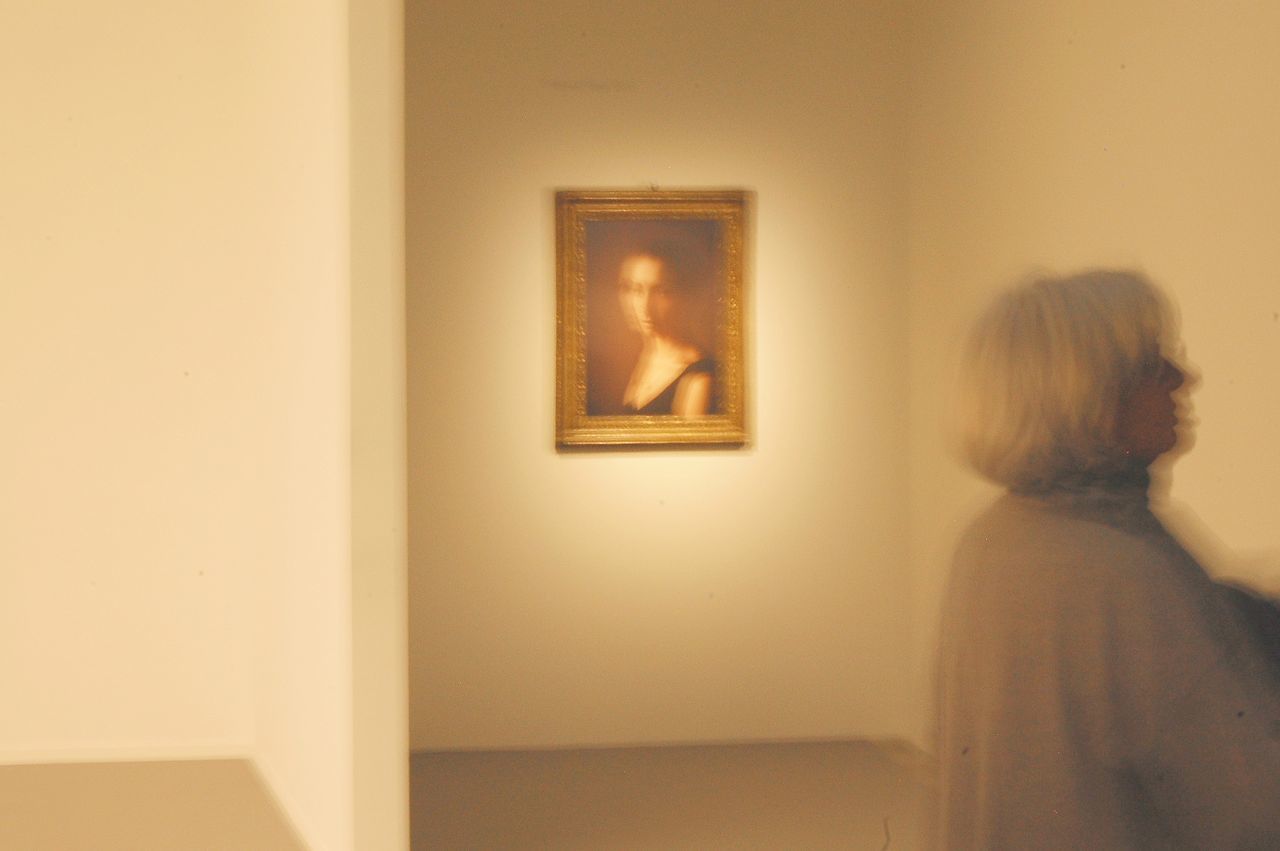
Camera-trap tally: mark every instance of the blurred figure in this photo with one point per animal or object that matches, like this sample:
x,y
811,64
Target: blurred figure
x,y
1096,689
671,375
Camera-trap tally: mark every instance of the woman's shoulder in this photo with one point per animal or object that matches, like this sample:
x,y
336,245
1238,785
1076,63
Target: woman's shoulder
x,y
1078,544
701,364
1016,522
1045,570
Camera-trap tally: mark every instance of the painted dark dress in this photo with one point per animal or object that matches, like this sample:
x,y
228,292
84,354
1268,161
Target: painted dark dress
x,y
663,402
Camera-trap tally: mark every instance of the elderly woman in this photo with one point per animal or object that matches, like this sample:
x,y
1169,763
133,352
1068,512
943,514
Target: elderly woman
x,y
1096,689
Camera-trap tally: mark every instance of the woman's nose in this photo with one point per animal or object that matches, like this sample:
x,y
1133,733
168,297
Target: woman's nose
x,y
1174,376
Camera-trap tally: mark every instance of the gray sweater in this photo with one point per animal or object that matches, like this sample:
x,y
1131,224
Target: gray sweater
x,y
1097,690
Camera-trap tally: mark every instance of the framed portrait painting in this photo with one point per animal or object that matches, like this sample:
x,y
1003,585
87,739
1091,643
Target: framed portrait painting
x,y
649,317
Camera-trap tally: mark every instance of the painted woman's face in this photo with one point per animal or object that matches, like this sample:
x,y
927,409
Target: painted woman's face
x,y
1146,427
644,290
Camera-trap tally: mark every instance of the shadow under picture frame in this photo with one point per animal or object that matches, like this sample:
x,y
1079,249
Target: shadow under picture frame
x,y
649,317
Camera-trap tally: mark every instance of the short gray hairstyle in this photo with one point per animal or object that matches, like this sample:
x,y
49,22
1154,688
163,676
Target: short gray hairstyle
x,y
1045,370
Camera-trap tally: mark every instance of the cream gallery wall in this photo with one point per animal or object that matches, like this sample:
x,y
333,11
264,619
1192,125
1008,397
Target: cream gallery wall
x,y
907,160
618,597
176,337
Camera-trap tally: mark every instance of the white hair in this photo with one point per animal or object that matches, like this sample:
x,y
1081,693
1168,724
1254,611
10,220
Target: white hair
x,y
1045,370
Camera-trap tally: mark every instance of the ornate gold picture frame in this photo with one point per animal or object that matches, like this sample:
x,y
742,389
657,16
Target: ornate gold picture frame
x,y
649,317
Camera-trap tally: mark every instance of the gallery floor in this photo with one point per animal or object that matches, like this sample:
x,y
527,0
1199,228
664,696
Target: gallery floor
x,y
199,805
809,795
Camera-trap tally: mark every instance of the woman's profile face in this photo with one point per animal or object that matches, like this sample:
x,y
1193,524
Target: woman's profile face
x,y
644,291
1146,426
